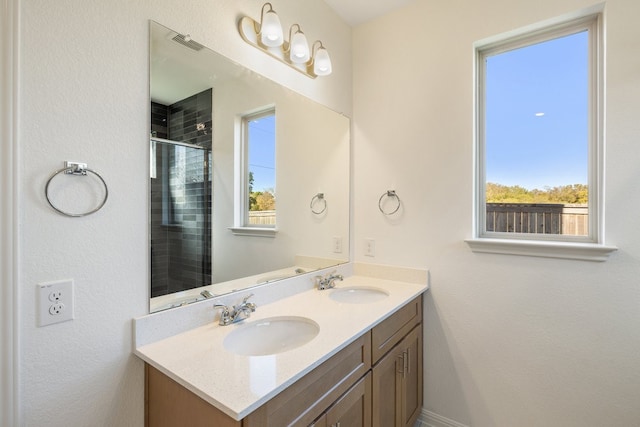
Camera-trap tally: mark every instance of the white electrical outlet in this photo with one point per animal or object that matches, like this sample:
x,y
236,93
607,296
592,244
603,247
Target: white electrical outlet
x,y
370,247
55,302
337,245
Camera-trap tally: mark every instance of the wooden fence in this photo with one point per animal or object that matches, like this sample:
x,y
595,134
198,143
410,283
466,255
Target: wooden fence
x,y
262,217
545,218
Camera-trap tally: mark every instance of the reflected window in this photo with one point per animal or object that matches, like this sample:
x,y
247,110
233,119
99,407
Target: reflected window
x,y
259,146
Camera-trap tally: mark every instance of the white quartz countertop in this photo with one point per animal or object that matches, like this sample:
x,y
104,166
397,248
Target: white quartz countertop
x,y
237,385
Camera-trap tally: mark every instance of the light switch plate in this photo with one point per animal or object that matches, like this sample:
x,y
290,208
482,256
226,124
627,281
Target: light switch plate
x,y
370,247
337,244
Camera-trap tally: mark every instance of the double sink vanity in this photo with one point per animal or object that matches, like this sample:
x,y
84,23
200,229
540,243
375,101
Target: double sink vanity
x,y
350,355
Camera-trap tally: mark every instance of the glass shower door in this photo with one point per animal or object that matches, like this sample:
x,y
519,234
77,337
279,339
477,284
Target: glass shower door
x,y
180,217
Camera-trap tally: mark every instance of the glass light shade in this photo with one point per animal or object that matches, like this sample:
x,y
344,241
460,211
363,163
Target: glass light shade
x,y
299,48
271,30
322,63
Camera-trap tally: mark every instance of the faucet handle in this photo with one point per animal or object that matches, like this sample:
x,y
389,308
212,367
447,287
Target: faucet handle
x,y
222,307
250,305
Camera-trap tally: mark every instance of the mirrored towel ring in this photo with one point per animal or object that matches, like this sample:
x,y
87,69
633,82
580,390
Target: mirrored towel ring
x,y
390,194
318,204
75,168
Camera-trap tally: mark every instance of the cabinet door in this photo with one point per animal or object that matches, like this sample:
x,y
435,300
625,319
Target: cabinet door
x,y
412,378
387,389
353,409
397,383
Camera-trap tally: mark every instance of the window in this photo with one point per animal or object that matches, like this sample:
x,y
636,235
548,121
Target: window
x,y
538,140
258,176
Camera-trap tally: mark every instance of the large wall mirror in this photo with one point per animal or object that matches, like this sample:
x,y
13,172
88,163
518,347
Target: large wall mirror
x,y
249,180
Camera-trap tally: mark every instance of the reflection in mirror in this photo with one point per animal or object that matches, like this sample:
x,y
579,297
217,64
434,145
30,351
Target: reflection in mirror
x,y
209,233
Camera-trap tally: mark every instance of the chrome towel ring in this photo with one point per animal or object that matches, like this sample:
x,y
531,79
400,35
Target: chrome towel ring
x,y
75,168
391,194
318,199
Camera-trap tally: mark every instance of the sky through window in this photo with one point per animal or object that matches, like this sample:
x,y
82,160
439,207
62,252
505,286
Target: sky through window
x,y
536,114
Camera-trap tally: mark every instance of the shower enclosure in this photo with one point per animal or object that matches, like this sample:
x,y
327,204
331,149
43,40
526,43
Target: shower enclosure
x,y
180,216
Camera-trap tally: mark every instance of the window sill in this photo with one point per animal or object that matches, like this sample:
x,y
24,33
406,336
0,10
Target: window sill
x,y
254,231
545,249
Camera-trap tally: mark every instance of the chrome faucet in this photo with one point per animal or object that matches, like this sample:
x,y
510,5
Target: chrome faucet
x,y
237,312
328,281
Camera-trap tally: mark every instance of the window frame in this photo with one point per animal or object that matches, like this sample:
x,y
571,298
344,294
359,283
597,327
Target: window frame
x,y
241,216
589,247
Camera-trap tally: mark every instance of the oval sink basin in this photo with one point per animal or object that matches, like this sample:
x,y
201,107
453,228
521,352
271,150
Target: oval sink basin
x,y
271,336
358,295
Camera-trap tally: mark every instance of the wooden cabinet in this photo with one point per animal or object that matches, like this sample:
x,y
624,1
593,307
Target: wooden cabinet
x,y
374,381
353,409
397,383
306,399
168,404
389,332
396,349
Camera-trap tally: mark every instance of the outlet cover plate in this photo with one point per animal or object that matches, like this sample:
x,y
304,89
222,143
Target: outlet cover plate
x,y
55,302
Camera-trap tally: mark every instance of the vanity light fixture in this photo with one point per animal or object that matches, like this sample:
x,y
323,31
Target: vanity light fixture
x,y
270,28
267,36
321,60
298,47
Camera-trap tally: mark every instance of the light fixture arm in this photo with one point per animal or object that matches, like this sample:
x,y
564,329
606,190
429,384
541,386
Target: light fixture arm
x,y
314,50
258,25
286,46
291,35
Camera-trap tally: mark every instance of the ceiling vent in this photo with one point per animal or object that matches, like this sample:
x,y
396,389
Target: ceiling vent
x,y
187,42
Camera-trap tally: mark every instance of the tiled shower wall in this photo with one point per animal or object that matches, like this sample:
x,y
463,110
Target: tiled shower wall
x,y
181,196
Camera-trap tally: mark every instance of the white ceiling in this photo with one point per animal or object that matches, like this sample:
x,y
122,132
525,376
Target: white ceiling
x,y
355,12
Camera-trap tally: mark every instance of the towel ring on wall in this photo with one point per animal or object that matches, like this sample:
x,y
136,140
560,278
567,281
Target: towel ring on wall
x,y
75,168
389,193
317,200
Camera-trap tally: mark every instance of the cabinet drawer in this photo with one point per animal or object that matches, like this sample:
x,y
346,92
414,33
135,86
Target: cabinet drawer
x,y
304,401
389,333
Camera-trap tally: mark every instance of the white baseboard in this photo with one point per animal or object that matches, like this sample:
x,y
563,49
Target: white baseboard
x,y
431,419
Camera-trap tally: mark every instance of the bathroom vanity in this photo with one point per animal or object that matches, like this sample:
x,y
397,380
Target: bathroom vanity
x,y
349,356
363,368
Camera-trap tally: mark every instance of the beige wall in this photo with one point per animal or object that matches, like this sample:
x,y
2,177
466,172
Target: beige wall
x,y
510,341
83,96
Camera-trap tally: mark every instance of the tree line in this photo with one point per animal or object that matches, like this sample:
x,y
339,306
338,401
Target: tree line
x,y
260,200
565,194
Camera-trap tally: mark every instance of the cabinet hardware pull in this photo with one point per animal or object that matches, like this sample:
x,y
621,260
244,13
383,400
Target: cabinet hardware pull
x,y
407,365
408,361
401,371
404,364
